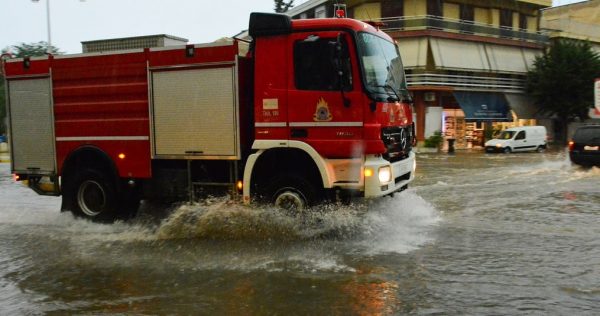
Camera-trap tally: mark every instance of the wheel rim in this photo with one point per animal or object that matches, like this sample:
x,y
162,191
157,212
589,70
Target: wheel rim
x,y
91,198
290,200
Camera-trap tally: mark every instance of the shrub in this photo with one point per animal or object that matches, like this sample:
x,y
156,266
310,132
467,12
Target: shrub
x,y
434,141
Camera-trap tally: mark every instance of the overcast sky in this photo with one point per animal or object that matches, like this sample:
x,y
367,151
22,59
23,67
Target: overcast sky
x,y
73,21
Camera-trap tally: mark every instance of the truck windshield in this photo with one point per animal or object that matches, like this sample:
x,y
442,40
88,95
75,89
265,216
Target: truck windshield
x,y
506,135
382,68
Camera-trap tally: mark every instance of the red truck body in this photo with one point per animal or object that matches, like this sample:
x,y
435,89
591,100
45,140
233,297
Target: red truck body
x,y
210,115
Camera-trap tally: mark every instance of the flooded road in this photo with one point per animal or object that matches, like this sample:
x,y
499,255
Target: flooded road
x,y
475,234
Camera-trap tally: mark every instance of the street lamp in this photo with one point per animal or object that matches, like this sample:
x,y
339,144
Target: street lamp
x,y
49,48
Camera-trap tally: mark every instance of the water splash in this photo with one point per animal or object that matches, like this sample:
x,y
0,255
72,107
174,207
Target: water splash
x,y
224,219
391,224
398,224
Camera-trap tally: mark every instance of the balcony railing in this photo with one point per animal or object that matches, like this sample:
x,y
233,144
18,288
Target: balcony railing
x,y
466,82
429,22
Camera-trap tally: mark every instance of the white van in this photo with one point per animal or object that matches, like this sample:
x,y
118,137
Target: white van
x,y
525,138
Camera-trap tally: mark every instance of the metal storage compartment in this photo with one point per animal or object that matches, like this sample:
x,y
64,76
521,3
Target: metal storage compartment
x,y
31,126
195,113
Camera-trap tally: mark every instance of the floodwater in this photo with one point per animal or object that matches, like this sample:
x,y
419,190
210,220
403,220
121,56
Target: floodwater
x,y
476,234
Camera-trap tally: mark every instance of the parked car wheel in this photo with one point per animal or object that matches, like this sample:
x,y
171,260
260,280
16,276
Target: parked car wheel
x,y
507,150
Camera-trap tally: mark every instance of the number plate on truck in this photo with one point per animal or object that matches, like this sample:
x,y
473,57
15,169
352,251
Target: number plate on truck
x,y
590,148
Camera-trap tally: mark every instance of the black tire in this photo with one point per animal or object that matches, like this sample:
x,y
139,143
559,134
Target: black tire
x,y
507,150
90,194
540,149
292,192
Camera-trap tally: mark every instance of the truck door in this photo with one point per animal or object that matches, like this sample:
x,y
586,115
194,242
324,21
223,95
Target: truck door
x,y
32,126
521,141
324,98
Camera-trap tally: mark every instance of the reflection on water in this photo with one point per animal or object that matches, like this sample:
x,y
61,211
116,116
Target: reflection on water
x,y
476,234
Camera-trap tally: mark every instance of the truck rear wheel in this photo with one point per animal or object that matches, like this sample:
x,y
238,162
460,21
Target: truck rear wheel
x,y
292,192
91,195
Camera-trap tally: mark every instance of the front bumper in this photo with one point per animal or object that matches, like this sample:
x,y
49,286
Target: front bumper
x,y
402,173
585,159
493,149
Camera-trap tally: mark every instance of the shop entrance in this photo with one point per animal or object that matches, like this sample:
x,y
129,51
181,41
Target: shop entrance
x,y
466,134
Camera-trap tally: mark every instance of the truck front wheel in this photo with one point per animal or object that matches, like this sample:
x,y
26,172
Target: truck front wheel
x,y
292,192
91,195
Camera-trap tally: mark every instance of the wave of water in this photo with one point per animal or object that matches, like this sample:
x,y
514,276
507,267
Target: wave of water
x,y
390,224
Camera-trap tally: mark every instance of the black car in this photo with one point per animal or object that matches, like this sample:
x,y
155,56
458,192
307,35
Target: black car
x,y
584,148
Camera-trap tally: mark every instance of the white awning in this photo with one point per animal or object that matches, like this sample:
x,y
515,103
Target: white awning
x,y
506,58
459,55
413,52
529,55
522,105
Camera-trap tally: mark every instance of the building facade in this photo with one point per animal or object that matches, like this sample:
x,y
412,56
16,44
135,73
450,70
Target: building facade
x,y
465,60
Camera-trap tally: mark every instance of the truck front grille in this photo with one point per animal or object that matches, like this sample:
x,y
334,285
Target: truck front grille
x,y
398,142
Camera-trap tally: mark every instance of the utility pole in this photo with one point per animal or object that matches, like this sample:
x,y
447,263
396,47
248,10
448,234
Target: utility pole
x,y
49,48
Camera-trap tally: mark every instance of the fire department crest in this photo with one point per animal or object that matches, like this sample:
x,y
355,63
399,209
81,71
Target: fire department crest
x,y
322,113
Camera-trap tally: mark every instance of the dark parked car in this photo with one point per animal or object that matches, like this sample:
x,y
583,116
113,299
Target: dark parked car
x,y
584,148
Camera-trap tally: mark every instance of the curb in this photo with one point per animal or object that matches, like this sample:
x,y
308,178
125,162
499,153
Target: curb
x,y
425,150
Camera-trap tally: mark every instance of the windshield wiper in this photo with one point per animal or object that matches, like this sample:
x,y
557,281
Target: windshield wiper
x,y
388,87
406,96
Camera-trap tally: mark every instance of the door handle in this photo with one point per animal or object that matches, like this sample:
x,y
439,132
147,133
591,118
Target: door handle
x,y
299,133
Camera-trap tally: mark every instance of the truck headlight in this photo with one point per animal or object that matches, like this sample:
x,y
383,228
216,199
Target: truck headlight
x,y
385,174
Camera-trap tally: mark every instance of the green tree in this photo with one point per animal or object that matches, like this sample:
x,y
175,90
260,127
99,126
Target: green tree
x,y
562,79
31,49
281,6
20,51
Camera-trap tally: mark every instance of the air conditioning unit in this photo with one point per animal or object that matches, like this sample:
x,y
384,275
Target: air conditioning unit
x,y
429,96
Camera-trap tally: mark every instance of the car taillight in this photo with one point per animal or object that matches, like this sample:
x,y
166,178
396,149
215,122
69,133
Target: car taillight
x,y
571,145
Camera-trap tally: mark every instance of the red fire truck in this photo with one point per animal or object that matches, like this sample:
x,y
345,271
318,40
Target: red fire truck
x,y
314,109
